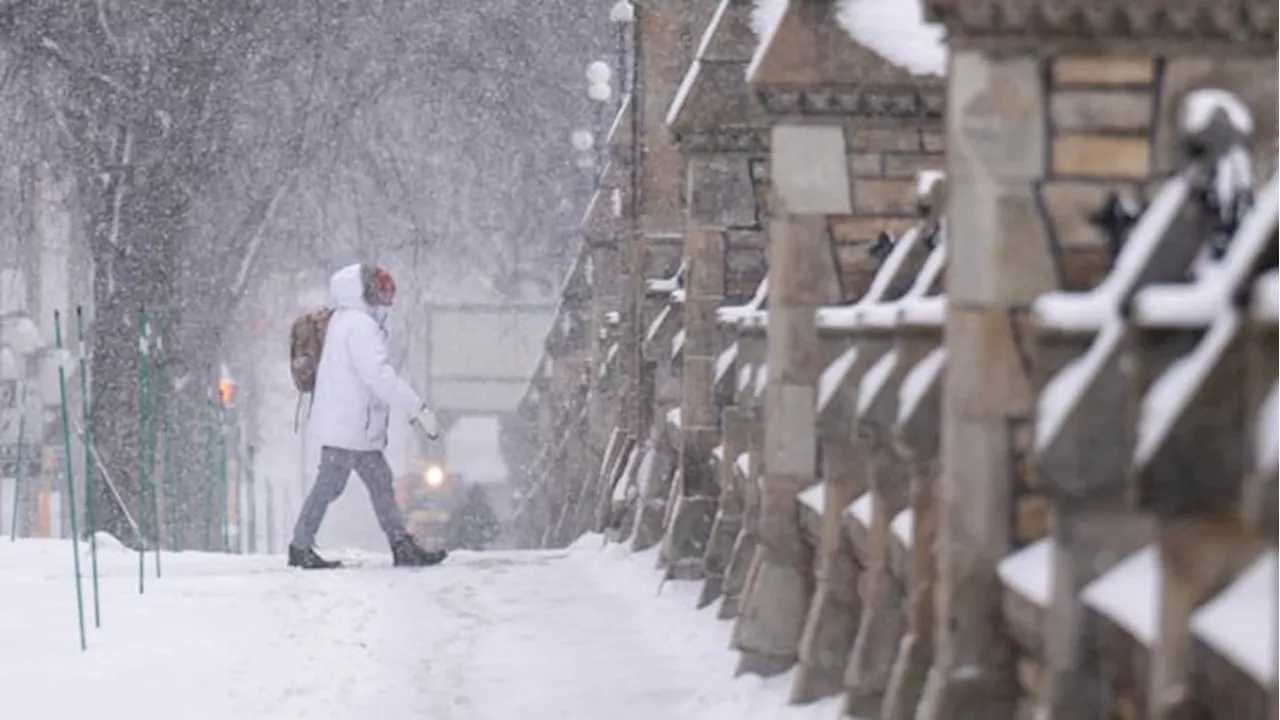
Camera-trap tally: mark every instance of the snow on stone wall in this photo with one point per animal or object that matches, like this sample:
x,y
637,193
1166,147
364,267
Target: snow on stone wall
x,y
895,30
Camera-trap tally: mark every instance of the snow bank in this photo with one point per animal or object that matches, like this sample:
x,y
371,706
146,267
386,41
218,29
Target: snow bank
x,y
1129,594
1029,571
895,30
1240,623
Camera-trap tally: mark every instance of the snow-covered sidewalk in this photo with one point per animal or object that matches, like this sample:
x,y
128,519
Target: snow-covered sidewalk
x,y
576,634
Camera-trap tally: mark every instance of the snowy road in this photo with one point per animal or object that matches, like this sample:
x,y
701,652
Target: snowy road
x,y
578,634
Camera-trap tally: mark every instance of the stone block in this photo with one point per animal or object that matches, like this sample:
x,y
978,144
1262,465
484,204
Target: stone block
x,y
810,174
866,164
884,197
790,438
1101,156
857,267
904,139
802,269
1096,111
986,376
907,165
720,192
773,618
1007,258
846,230
975,495
997,123
1103,70
932,141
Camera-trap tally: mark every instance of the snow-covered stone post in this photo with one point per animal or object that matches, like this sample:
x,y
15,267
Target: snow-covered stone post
x,y
747,467
723,136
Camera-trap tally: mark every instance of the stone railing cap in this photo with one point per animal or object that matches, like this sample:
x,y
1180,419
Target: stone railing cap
x,y
1253,20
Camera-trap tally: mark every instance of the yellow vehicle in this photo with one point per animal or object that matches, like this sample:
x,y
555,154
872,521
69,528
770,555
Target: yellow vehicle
x,y
426,498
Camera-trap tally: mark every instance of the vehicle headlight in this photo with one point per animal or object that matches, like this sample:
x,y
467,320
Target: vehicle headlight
x,y
433,476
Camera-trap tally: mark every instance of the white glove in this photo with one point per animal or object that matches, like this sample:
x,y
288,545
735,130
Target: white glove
x,y
425,422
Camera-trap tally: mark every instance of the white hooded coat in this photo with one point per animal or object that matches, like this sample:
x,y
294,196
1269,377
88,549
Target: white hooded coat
x,y
355,384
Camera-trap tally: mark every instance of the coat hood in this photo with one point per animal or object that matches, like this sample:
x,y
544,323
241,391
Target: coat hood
x,y
347,288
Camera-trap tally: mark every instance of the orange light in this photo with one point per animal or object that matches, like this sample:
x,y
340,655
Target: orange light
x,y
226,390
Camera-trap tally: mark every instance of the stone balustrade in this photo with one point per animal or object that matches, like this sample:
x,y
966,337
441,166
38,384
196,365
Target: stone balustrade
x,y
952,417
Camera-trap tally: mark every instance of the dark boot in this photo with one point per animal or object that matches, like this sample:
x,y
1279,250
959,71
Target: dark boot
x,y
308,559
407,553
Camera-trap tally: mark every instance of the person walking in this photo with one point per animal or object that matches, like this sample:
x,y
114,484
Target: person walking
x,y
355,390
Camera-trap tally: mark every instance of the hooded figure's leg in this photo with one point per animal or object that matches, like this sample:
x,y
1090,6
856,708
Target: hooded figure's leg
x,y
335,468
373,469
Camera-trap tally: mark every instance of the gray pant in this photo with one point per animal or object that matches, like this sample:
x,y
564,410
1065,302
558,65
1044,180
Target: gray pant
x,y
336,466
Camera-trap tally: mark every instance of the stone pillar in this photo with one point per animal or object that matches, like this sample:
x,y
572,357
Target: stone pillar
x,y
801,280
662,42
696,506
721,131
729,508
836,608
751,354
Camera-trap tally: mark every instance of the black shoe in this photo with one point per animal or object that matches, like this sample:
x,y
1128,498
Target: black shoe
x,y
307,559
407,553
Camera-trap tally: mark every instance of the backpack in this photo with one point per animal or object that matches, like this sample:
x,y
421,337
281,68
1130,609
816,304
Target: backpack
x,y
306,342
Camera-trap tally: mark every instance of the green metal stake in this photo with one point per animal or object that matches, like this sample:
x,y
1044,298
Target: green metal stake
x,y
143,350
222,480
17,483
169,504
90,491
71,485
251,505
208,485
